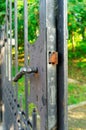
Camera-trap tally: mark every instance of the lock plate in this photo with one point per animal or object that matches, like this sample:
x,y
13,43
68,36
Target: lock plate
x,y
53,58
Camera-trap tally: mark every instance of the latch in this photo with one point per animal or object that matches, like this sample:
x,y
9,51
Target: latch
x,y
24,71
53,58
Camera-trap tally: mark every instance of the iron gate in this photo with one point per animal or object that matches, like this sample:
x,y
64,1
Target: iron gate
x,y
47,70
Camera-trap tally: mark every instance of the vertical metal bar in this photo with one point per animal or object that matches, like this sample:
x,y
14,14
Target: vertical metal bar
x,y
10,44
5,82
7,38
34,117
62,66
51,69
26,53
16,45
1,64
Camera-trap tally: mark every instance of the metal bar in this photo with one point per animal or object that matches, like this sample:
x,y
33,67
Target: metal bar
x,y
51,68
7,38
62,66
34,118
16,44
7,27
10,44
2,62
26,53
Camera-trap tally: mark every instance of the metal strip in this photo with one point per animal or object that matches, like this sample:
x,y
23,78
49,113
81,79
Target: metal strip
x,y
51,69
34,119
16,44
10,44
62,66
7,38
26,53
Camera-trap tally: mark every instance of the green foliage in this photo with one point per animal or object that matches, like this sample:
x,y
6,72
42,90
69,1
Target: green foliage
x,y
76,93
80,51
77,62
33,20
20,22
81,65
77,17
2,11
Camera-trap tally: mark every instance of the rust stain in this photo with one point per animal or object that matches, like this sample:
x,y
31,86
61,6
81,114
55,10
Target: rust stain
x,y
53,58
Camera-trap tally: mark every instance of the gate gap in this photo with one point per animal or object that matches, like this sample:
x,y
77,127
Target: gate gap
x,y
20,18
33,21
20,8
21,93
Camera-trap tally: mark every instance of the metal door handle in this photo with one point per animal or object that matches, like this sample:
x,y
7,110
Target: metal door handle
x,y
24,71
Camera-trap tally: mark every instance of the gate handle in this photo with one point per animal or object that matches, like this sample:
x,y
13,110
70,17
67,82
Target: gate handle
x,y
24,71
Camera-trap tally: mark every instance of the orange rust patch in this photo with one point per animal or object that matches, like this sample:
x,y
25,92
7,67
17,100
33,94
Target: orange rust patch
x,y
53,58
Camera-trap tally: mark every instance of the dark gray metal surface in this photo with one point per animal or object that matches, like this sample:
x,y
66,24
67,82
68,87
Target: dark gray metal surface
x,y
10,41
48,85
6,38
51,69
26,52
38,58
62,66
1,56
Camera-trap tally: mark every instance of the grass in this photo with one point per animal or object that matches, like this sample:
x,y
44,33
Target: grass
x,y
77,62
77,71
76,93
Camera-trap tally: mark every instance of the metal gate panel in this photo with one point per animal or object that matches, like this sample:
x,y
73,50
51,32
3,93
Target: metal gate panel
x,y
38,60
47,70
43,85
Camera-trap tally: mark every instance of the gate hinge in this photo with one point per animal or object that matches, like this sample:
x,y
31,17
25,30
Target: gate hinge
x,y
53,58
